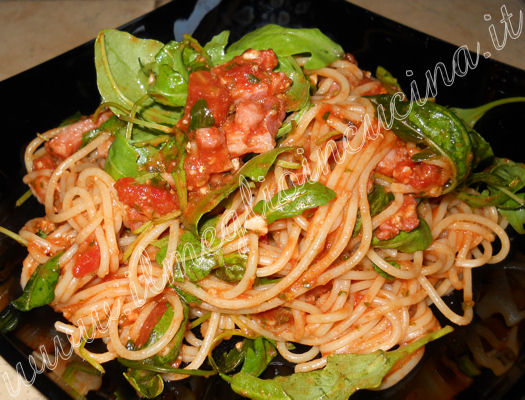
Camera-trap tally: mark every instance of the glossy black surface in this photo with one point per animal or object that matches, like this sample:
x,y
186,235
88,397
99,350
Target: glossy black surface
x,y
40,98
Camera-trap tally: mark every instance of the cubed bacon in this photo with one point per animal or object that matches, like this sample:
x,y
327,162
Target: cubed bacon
x,y
69,139
405,219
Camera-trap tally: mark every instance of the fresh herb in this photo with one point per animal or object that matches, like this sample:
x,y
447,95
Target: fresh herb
x,y
233,268
201,116
378,200
388,81
342,376
385,275
472,115
147,384
40,289
122,159
408,242
294,201
255,170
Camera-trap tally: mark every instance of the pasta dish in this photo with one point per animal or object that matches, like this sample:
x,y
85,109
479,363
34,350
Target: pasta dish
x,y
267,197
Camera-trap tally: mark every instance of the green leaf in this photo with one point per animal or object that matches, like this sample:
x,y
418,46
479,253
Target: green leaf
x,y
163,369
433,126
387,79
9,318
291,123
258,356
408,242
40,289
233,269
342,376
298,95
472,115
481,149
119,61
294,201
122,159
201,116
385,275
378,200
516,217
288,42
255,170
147,384
187,297
215,47
112,125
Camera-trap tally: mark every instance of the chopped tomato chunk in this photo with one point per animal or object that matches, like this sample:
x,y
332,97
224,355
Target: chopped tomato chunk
x,y
405,219
145,201
153,319
420,175
87,259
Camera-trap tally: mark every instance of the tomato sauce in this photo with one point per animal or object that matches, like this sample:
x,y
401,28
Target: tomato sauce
x,y
405,219
144,201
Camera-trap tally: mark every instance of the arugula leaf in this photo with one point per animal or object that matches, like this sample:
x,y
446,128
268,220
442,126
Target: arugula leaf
x,y
147,384
195,259
215,47
258,356
298,96
481,149
233,269
342,376
294,201
385,275
516,216
255,170
201,116
431,125
111,125
408,242
378,200
387,79
40,288
472,115
288,42
119,61
122,159
187,297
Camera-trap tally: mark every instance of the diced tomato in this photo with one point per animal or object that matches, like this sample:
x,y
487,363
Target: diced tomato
x,y
419,175
147,199
87,259
405,219
153,319
44,162
204,85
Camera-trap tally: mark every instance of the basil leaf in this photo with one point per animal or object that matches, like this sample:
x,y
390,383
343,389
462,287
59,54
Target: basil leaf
x,y
40,288
255,170
388,81
294,201
385,275
122,159
378,200
147,384
215,47
408,242
119,61
288,42
298,96
431,125
342,376
472,115
201,116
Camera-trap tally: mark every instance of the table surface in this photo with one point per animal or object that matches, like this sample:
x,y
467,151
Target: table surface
x,y
34,31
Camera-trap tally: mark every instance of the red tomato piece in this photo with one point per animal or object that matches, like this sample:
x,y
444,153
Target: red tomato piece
x,y
87,259
147,199
153,319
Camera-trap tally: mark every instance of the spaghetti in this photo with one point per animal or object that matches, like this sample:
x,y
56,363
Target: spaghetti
x,y
323,278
